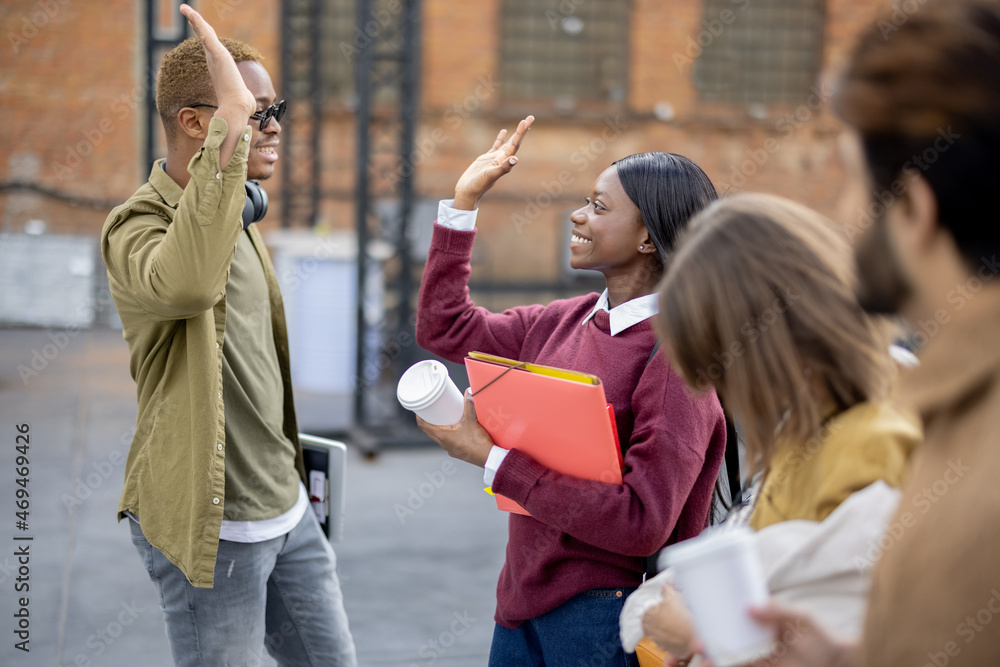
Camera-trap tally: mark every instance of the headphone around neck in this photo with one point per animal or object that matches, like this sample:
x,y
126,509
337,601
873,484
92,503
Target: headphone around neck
x,y
255,207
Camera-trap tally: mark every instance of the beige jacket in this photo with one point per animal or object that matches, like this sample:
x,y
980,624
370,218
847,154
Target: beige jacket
x,y
936,590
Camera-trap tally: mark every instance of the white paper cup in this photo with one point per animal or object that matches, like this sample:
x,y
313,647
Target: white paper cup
x,y
427,389
719,577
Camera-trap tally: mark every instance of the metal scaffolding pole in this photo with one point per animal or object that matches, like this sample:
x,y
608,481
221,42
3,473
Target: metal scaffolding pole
x,y
302,85
387,84
160,38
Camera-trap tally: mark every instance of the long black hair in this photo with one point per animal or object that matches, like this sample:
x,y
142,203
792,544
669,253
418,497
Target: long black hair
x,y
668,189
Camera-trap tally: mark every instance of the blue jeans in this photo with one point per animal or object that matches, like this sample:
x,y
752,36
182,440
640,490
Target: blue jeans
x,y
283,594
582,632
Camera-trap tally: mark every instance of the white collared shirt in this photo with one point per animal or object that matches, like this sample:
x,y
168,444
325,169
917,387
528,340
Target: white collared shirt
x,y
621,316
626,314
453,218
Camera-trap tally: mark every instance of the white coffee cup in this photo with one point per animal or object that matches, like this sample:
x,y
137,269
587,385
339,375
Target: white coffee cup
x,y
719,576
428,390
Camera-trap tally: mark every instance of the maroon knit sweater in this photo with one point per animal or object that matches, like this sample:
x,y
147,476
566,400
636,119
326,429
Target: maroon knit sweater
x,y
582,534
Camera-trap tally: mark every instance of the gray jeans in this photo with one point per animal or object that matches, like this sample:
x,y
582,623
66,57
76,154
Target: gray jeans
x,y
282,594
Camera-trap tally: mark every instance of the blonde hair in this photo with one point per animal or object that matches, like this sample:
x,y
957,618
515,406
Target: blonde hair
x,y
183,77
759,303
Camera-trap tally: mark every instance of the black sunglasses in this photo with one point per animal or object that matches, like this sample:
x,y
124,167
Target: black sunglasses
x,y
275,111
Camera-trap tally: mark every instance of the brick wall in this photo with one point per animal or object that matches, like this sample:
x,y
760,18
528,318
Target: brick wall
x,y
71,83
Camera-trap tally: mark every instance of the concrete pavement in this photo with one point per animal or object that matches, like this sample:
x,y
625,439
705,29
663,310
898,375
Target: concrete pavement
x,y
419,561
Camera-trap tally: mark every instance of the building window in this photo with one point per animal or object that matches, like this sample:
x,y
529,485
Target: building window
x,y
564,51
764,51
342,40
338,44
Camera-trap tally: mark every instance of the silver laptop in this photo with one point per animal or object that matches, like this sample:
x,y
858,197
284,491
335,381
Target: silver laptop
x,y
326,482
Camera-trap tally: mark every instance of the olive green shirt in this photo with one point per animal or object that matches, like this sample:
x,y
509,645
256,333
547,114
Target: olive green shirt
x,y
261,479
168,253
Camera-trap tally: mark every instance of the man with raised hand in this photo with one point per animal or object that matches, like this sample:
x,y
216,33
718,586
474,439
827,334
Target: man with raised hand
x,y
214,487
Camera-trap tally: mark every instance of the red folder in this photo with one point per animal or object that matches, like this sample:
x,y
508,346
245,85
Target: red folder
x,y
560,418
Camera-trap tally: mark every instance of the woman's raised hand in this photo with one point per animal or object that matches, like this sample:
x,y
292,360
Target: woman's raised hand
x,y
489,167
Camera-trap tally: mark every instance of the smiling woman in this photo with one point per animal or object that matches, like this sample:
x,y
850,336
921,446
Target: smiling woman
x,y
636,209
571,564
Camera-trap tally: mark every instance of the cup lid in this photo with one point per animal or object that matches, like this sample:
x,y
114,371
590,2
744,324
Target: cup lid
x,y
421,384
711,543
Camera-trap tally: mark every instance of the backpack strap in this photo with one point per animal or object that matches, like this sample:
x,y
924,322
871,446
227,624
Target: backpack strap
x,y
732,458
652,355
648,562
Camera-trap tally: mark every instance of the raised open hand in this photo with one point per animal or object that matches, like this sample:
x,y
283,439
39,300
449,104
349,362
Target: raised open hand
x,y
230,90
489,167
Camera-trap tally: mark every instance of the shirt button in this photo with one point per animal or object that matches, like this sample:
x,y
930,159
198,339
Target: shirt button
x,y
246,137
220,394
216,346
215,501
220,446
218,175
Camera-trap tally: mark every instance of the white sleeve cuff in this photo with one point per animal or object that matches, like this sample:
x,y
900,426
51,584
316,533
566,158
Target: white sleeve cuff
x,y
493,461
452,218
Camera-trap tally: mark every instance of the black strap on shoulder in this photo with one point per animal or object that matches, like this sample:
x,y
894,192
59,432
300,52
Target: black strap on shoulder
x,y
733,462
648,562
732,448
652,355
